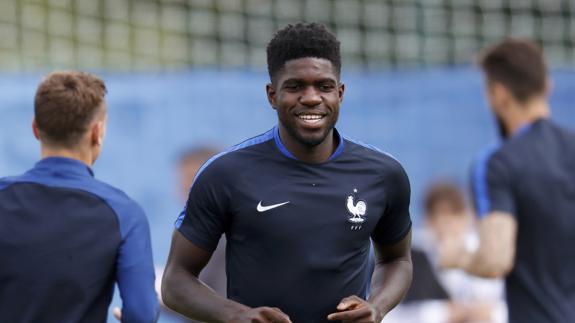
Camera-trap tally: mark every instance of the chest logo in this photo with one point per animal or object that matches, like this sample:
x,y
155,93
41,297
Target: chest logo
x,y
357,209
262,208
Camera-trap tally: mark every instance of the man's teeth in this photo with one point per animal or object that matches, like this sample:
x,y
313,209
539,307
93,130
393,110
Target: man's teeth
x,y
310,117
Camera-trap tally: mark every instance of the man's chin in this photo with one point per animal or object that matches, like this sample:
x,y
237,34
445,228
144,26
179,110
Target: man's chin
x,y
308,136
312,139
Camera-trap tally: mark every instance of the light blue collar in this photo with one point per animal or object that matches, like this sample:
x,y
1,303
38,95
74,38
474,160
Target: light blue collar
x,y
288,154
68,165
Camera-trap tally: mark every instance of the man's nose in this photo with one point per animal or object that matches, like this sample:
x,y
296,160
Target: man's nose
x,y
310,97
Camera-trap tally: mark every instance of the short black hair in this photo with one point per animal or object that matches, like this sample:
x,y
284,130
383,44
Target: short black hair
x,y
299,41
518,65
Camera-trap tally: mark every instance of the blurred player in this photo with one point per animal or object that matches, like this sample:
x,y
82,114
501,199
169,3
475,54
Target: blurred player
x,y
214,274
298,205
447,295
65,237
524,192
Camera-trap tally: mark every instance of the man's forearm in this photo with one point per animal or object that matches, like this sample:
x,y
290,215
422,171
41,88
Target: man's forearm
x,y
482,265
495,256
187,295
390,282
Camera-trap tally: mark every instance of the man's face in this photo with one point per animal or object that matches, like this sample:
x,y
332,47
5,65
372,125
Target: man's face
x,y
98,131
496,100
447,221
188,169
306,96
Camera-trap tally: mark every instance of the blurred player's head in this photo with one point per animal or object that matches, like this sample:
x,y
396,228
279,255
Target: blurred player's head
x,y
189,163
304,64
445,209
70,113
516,77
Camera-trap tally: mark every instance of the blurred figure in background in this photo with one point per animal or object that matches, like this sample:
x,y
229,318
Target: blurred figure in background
x,y
214,274
447,296
65,237
524,192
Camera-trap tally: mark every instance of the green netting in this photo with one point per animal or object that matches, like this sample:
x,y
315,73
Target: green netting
x,y
175,34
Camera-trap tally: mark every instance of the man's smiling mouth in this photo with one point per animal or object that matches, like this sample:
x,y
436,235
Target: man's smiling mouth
x,y
310,118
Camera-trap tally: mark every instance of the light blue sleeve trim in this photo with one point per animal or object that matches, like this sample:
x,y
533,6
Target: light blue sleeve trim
x,y
180,218
134,269
481,189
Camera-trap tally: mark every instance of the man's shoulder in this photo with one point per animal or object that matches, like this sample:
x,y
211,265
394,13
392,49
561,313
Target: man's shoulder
x,y
544,133
7,181
374,157
27,176
128,212
118,201
510,153
113,195
492,158
237,156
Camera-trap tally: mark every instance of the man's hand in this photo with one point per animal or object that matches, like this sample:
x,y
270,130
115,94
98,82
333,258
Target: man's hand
x,y
261,315
356,310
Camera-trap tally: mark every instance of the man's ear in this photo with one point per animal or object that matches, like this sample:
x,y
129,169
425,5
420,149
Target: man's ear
x,y
271,92
500,94
35,129
97,133
341,90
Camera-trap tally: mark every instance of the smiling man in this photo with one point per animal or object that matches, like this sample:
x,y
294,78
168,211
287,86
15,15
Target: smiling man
x,y
299,206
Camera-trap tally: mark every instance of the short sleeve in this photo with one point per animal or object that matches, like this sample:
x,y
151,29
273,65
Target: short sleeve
x,y
492,189
203,220
395,223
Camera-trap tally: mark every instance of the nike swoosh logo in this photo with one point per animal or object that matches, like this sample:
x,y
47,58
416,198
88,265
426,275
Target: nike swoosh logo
x,y
262,208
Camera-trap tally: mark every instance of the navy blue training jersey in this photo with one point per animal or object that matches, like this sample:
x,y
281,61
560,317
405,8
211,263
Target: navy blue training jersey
x,y
65,238
532,177
298,234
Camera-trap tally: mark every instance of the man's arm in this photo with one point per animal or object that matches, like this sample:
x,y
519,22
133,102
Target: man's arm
x,y
135,271
493,194
390,281
392,274
183,292
495,256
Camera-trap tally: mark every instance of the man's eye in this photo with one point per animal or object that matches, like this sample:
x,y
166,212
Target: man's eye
x,y
291,87
326,87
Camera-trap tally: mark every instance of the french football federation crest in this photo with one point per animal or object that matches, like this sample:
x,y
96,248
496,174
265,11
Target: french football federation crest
x,y
357,210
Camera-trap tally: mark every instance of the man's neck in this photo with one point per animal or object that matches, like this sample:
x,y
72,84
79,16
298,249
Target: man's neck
x,y
313,155
528,113
83,156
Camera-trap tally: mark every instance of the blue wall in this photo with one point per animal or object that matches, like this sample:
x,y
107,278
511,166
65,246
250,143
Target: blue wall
x,y
434,121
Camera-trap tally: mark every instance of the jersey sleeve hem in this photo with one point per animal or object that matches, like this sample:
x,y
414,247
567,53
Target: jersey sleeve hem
x,y
395,239
204,244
